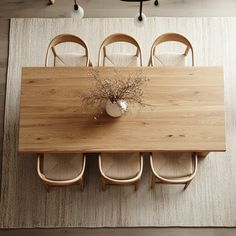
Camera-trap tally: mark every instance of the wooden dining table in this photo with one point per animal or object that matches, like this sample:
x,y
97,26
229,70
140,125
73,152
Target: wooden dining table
x,y
184,111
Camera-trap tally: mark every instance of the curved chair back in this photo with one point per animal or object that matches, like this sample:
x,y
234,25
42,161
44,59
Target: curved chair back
x,y
168,37
184,178
117,38
65,38
120,169
57,174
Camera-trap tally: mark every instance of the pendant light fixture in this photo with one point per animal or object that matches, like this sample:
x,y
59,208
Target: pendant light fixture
x,y
78,10
140,19
156,3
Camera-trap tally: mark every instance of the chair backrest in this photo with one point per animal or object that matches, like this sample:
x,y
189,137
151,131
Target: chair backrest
x,y
168,37
117,38
65,38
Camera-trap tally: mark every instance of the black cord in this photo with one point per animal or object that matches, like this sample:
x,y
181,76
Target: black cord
x,y
76,7
140,18
156,3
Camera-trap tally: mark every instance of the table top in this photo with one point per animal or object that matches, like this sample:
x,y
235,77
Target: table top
x,y
186,112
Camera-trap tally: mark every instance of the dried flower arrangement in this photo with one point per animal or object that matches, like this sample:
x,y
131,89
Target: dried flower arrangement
x,y
115,87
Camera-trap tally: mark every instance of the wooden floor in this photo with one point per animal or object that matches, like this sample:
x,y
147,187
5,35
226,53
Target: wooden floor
x,y
123,232
32,8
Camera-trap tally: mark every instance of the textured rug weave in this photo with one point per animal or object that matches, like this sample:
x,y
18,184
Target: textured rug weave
x,y
210,200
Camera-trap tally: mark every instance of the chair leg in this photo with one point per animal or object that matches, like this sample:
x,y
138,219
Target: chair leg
x,y
187,184
81,183
153,181
103,184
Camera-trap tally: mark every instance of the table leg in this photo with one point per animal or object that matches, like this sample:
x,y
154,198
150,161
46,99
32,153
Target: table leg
x,y
202,154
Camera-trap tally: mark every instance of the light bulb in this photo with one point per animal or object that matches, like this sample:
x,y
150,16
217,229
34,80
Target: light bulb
x,y
140,22
78,11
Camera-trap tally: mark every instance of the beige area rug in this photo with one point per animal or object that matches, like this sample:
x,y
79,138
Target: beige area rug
x,y
210,200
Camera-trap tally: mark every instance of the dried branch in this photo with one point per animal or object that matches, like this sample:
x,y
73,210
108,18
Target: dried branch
x,y
115,87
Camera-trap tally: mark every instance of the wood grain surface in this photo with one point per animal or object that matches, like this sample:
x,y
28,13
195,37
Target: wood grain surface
x,y
186,112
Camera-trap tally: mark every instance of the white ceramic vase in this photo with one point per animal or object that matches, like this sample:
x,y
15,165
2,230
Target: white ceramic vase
x,y
115,109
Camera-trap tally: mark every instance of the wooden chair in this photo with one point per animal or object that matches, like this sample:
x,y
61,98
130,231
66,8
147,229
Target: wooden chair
x,y
119,59
67,59
61,169
120,168
173,168
170,59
